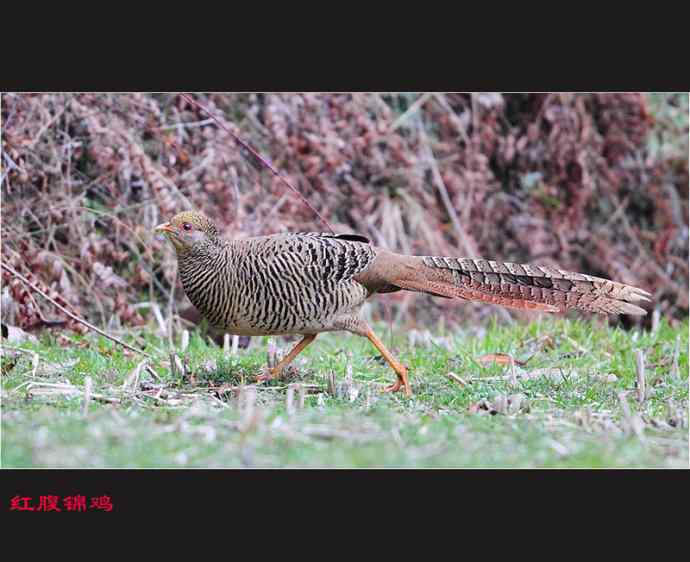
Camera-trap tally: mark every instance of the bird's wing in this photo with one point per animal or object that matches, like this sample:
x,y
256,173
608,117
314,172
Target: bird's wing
x,y
318,255
349,237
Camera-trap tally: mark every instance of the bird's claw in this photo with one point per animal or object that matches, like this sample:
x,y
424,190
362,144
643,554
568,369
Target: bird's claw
x,y
397,385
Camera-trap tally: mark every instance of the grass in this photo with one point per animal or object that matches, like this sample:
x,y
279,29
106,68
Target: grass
x,y
562,409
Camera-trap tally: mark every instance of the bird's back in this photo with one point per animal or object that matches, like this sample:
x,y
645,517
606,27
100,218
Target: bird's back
x,y
280,284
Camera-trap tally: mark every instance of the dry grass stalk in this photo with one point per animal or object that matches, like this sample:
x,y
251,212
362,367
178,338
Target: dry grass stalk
x,y
184,344
153,373
88,387
576,345
675,368
249,416
349,377
34,364
332,384
348,387
174,373
162,328
4,346
368,397
49,389
641,378
302,394
132,381
179,365
456,378
290,399
513,373
656,316
632,422
271,353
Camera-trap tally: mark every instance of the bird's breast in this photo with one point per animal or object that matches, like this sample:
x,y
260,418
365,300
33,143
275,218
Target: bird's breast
x,y
254,293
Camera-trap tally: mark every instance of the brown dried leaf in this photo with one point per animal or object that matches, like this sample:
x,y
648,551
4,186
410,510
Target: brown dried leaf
x,y
500,358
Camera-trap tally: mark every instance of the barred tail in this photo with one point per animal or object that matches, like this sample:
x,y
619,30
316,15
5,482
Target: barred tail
x,y
521,286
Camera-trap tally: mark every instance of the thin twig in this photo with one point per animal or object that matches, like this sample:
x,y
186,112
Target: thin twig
x,y
254,153
68,313
184,125
421,100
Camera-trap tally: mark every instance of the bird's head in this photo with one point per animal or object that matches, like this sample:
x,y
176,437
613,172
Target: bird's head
x,y
187,230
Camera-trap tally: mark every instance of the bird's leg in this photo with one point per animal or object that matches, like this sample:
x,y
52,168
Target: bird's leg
x,y
285,361
400,370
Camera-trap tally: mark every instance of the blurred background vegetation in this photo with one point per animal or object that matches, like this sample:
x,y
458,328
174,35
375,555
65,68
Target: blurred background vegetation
x,y
596,183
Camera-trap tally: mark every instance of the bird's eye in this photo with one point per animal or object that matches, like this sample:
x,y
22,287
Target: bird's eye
x,y
187,226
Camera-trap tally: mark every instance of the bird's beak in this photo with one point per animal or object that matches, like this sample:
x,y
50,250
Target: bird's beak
x,y
163,228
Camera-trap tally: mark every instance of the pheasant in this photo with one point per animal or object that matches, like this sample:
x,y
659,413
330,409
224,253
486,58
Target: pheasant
x,y
307,283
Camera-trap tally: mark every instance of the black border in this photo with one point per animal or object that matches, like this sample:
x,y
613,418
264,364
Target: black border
x,y
585,56
410,62
255,492
416,47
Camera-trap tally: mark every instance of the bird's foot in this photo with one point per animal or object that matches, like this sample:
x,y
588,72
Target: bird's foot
x,y
402,382
395,387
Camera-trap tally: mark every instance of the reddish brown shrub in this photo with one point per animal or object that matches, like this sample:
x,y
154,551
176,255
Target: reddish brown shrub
x,y
593,183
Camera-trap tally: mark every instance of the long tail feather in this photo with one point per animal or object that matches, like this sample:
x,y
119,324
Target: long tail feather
x,y
524,286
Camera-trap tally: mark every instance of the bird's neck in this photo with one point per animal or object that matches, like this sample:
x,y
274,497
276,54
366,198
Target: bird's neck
x,y
206,250
199,268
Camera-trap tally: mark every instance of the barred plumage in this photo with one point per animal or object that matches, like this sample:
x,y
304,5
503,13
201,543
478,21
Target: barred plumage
x,y
308,282
281,284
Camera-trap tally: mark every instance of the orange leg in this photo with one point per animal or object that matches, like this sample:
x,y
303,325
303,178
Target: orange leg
x,y
400,370
275,371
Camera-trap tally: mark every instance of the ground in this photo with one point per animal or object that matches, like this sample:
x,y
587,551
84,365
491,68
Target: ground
x,y
575,401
